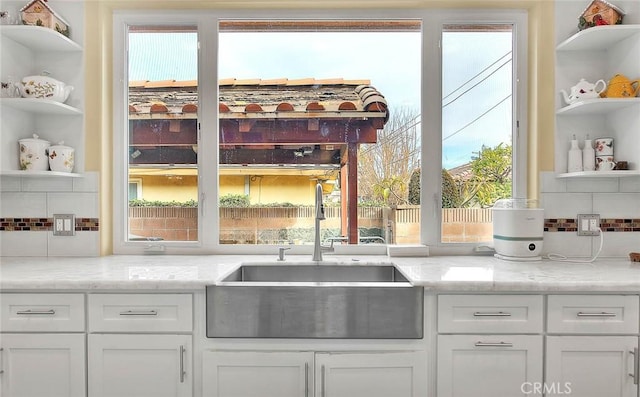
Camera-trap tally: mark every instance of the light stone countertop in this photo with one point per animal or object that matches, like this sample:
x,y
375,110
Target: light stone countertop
x,y
192,273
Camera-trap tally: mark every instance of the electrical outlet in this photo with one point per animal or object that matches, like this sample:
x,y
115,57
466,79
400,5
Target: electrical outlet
x,y
588,224
64,225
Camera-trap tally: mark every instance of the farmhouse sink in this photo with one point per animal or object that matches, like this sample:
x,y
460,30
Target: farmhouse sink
x,y
315,300
311,273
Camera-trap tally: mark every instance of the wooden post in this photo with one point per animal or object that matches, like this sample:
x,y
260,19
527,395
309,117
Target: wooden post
x,y
352,192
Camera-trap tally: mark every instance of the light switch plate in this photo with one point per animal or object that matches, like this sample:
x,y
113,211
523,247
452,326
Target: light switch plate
x,y
64,224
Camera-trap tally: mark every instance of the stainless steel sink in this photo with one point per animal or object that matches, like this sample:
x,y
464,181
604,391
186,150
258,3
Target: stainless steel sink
x,y
326,273
310,300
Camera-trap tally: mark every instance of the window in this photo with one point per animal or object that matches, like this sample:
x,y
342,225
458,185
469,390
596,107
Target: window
x,y
241,149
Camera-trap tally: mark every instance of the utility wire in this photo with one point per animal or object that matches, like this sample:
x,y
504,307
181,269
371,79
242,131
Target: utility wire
x,y
476,84
477,118
476,75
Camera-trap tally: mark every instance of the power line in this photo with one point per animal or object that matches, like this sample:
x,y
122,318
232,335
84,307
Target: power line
x,y
477,118
475,85
476,75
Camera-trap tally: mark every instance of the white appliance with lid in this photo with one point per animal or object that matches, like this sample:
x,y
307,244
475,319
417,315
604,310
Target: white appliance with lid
x,y
518,226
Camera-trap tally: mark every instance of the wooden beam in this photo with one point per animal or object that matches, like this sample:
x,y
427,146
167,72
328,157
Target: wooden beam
x,y
296,132
352,192
278,156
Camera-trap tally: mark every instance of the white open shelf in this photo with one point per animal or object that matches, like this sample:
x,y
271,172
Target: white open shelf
x,y
600,174
32,174
39,38
598,37
41,106
598,106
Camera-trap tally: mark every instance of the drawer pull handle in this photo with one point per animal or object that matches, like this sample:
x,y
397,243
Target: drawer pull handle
x,y
596,314
636,366
1,360
491,314
182,371
494,344
306,379
30,312
139,313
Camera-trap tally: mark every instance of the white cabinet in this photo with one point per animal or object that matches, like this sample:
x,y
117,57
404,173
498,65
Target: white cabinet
x,y
257,374
140,345
31,50
488,365
593,54
592,366
42,345
493,360
598,364
42,365
140,365
320,374
398,374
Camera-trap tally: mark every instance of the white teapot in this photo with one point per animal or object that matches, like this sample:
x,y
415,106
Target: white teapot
x,y
583,90
44,87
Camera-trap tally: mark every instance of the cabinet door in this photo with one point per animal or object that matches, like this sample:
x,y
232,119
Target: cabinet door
x,y
488,365
379,374
42,365
140,365
592,366
257,374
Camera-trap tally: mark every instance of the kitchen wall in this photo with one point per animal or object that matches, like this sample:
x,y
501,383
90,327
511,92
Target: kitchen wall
x,y
616,200
27,206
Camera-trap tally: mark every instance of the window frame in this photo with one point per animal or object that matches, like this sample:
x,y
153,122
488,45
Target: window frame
x,y
433,21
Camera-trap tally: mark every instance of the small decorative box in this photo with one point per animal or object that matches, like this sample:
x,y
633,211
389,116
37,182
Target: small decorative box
x,y
634,256
38,13
600,12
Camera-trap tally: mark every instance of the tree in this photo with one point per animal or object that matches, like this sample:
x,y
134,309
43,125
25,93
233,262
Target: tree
x,y
386,166
491,177
450,193
414,187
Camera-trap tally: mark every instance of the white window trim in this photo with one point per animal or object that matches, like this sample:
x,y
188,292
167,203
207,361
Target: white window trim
x,y
432,23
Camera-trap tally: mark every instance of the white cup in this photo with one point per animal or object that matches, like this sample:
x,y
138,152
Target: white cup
x,y
605,163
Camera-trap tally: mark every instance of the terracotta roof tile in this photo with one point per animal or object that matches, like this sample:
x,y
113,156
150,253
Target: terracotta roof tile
x,y
256,98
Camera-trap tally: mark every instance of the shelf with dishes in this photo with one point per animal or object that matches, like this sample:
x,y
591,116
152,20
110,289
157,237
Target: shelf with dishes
x,y
599,38
39,38
595,106
600,174
40,106
37,174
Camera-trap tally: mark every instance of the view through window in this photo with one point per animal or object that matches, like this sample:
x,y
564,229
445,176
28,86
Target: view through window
x,y
477,128
329,102
305,102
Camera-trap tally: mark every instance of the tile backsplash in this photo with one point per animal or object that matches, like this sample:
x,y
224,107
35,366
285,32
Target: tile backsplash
x,y
616,200
27,206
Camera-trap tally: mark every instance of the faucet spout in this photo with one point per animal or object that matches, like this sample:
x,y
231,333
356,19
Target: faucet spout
x,y
317,248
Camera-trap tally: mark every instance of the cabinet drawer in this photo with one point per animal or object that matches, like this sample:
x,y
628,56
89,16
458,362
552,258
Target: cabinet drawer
x,y
42,312
490,313
140,313
593,314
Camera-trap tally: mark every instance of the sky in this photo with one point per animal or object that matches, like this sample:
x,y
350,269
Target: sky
x,y
476,78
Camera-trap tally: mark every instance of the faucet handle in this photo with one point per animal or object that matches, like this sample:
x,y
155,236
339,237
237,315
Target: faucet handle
x,y
281,251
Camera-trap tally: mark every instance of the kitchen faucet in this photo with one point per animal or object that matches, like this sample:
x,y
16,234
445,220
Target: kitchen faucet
x,y
317,247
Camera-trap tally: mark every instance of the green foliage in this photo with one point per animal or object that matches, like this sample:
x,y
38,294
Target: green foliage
x,y
414,187
234,200
450,193
390,190
159,203
491,178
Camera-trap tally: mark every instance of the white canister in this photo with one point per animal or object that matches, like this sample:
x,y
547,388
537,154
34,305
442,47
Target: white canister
x,y
61,158
33,154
